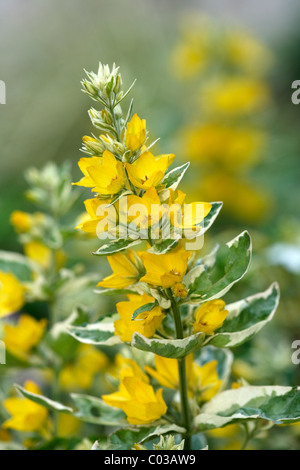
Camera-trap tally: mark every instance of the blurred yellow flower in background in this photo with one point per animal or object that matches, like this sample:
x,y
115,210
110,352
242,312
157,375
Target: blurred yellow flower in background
x,y
233,147
26,415
145,323
135,133
210,316
165,270
21,337
21,221
80,374
234,95
39,253
12,294
138,400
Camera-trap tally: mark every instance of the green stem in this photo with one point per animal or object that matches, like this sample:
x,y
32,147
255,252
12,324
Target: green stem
x,y
183,385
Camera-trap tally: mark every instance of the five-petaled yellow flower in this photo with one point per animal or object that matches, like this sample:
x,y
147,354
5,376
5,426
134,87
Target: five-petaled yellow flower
x,y
145,323
165,270
12,296
148,171
26,415
210,316
126,270
105,175
135,133
21,337
138,400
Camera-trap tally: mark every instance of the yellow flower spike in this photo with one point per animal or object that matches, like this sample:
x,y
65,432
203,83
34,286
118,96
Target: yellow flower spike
x,y
210,316
138,400
126,270
145,323
165,270
205,380
12,294
135,133
22,337
21,221
186,215
147,171
26,415
94,206
105,175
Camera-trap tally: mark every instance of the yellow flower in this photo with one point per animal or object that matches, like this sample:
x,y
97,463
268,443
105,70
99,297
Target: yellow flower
x,y
22,337
210,316
135,133
205,380
235,95
166,371
26,415
105,175
144,211
231,146
180,290
145,323
39,253
68,425
12,296
80,374
165,270
126,269
126,367
96,212
186,215
21,221
147,171
244,51
246,202
138,400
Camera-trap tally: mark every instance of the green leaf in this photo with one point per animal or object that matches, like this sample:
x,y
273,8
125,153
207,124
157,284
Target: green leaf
x,y
114,246
124,439
207,282
44,401
100,333
94,410
276,404
144,308
174,348
164,247
246,318
18,265
173,177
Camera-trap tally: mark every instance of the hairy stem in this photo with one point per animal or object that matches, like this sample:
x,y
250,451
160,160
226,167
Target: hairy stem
x,y
183,385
